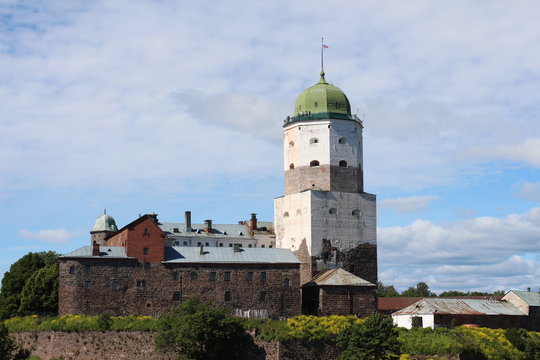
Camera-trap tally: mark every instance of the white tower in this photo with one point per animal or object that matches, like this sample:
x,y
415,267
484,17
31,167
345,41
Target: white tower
x,y
325,217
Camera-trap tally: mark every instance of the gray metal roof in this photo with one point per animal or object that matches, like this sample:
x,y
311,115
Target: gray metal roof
x,y
339,277
105,223
104,251
183,254
531,298
460,307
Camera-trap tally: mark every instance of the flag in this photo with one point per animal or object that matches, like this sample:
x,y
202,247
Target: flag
x,y
324,46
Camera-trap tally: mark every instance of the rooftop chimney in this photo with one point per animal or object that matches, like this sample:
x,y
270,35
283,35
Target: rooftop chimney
x,y
201,249
95,249
253,222
188,221
208,226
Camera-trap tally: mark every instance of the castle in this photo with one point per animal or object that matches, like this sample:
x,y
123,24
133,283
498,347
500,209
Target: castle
x,y
319,256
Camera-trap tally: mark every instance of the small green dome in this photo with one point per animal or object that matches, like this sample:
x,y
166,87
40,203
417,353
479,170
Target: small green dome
x,y
104,223
323,98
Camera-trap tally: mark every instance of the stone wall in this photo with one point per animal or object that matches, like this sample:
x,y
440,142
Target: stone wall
x,y
125,286
346,300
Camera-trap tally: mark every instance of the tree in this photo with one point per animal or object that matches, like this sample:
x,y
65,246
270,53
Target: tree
x,y
6,344
15,279
40,292
199,331
386,291
376,338
421,290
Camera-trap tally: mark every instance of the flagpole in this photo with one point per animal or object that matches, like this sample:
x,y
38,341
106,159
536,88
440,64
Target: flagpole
x,y
322,47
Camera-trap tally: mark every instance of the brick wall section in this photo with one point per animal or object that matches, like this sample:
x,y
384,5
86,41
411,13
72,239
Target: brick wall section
x,y
153,289
323,177
338,300
140,234
363,259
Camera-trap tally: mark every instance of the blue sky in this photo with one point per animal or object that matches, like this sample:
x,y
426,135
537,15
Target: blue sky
x,y
167,106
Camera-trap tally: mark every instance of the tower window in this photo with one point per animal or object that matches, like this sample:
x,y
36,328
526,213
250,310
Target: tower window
x,y
356,212
291,143
337,105
314,163
342,140
332,211
298,211
286,214
313,141
291,166
315,104
342,163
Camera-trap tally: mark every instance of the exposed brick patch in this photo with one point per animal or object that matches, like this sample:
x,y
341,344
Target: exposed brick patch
x,y
362,261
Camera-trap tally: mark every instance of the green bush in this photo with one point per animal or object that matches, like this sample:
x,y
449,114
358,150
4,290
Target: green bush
x,y
314,328
429,342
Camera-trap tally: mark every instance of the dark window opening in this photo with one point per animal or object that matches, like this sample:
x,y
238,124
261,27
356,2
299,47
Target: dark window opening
x,y
286,282
315,104
220,244
176,230
262,246
313,141
141,283
249,276
351,268
206,244
356,212
193,275
230,244
147,265
342,163
249,245
332,211
199,243
417,322
314,163
342,140
263,277
146,233
87,285
145,251
176,295
291,166
175,275
227,296
212,276
270,246
72,269
115,286
262,296
227,276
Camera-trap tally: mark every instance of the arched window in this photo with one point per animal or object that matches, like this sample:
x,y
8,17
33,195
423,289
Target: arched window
x,y
342,163
313,141
291,166
298,212
342,140
286,214
332,211
291,143
314,163
356,212
315,104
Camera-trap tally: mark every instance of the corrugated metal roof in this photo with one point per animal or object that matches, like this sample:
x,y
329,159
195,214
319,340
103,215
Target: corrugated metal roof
x,y
104,251
339,277
531,298
183,254
460,307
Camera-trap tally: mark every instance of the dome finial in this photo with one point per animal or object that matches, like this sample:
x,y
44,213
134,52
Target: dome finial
x,y
323,46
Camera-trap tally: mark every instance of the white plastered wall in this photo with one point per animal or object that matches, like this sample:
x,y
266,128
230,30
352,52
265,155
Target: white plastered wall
x,y
292,220
405,321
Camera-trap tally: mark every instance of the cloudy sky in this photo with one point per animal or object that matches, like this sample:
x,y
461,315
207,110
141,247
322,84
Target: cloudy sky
x,y
166,106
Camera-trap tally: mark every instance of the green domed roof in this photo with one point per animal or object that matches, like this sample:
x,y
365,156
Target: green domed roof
x,y
323,98
104,223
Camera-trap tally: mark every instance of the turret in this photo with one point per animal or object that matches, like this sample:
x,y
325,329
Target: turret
x,y
103,227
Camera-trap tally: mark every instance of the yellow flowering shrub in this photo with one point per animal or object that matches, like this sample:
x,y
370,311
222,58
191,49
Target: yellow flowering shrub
x,y
491,343
314,328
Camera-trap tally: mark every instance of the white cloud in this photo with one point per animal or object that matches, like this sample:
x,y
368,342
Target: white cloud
x,y
529,191
47,235
479,253
409,204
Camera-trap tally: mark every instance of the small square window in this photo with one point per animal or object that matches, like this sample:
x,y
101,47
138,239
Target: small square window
x,y
249,276
227,276
145,251
176,295
185,242
249,245
230,245
72,269
199,243
212,276
176,230
141,283
263,277
193,275
207,244
262,296
227,296
87,285
175,275
262,246
270,246
286,282
115,286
